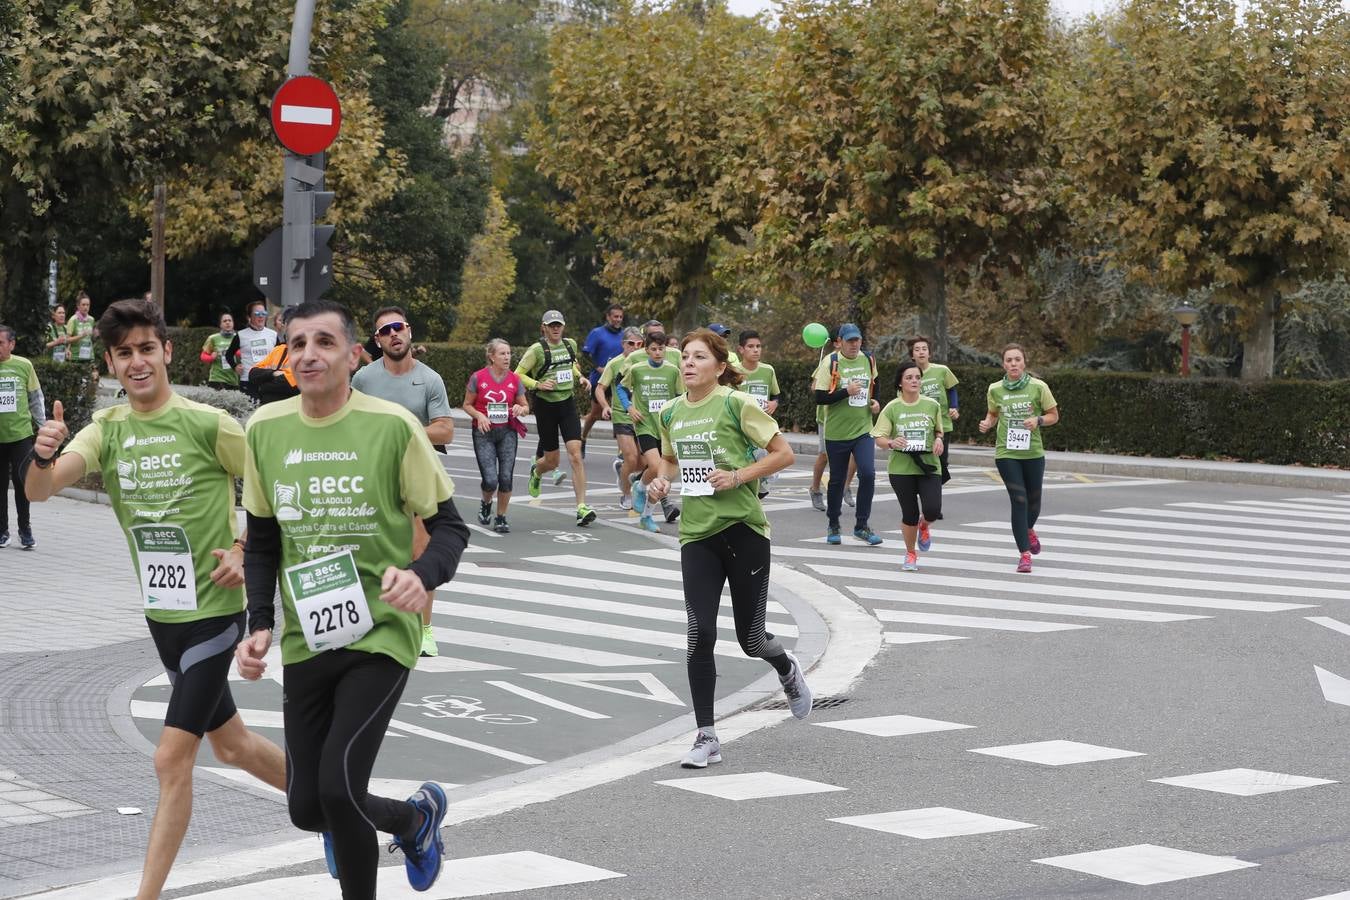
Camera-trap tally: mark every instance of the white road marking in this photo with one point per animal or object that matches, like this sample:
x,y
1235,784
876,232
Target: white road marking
x,y
653,688
1243,782
933,822
892,726
1056,753
750,785
1146,864
432,734
1030,606
918,637
1334,688
547,701
918,618
548,650
1328,622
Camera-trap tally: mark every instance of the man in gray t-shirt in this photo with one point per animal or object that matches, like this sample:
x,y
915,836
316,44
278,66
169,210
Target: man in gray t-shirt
x,y
415,386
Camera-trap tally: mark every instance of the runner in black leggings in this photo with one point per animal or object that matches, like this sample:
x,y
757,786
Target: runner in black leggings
x,y
709,436
1020,406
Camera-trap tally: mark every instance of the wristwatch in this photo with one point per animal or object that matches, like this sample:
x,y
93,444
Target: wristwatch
x,y
42,463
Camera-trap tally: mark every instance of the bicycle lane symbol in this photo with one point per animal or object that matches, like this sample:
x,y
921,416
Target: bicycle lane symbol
x,y
443,706
566,537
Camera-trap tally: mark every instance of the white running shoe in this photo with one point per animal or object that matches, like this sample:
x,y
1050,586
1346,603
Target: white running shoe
x,y
625,502
706,749
796,689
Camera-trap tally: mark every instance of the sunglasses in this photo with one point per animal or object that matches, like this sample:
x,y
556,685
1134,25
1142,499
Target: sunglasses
x,y
256,313
389,328
632,343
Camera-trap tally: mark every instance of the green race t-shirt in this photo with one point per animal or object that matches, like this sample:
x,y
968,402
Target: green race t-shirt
x,y
17,379
650,388
349,483
83,349
1014,441
221,370
720,431
611,376
918,422
936,380
170,475
851,417
59,351
762,383
565,374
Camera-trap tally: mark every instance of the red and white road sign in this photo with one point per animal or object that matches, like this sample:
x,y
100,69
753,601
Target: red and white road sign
x,y
306,115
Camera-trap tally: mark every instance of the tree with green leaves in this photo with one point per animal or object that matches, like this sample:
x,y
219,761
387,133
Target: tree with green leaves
x,y
489,275
1213,146
649,139
904,145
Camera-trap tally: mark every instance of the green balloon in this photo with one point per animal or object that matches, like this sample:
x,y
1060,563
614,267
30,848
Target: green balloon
x,y
815,335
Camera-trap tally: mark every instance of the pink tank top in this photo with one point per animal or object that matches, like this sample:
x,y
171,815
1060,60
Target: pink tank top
x,y
494,398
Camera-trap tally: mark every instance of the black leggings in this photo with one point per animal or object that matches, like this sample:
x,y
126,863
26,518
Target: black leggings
x,y
738,555
12,456
910,490
1022,478
946,472
337,706
197,657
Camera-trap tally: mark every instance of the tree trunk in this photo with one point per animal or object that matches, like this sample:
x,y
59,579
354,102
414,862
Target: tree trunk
x,y
157,247
932,296
23,276
688,313
1258,343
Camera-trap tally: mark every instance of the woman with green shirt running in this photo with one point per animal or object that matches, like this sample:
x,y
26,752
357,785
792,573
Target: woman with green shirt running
x,y
1021,406
709,435
910,426
221,375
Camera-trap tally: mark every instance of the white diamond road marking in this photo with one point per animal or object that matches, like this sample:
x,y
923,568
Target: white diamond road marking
x,y
1056,753
1147,864
1243,782
933,822
893,726
750,786
918,637
476,876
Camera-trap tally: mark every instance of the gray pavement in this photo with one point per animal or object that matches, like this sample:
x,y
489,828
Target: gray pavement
x,y
1171,626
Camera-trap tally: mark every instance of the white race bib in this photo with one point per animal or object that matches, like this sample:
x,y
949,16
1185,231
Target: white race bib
x,y
916,439
562,377
497,413
86,350
257,350
655,405
1018,439
760,391
59,353
164,562
9,396
860,398
329,601
696,464
225,362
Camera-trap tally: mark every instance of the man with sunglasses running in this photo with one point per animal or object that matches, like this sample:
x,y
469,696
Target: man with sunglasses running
x,y
251,343
419,389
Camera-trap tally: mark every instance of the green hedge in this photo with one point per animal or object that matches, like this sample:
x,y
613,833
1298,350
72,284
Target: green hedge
x,y
74,384
187,366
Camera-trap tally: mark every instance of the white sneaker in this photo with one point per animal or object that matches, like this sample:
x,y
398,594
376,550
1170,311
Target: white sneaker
x,y
625,502
797,692
848,496
706,749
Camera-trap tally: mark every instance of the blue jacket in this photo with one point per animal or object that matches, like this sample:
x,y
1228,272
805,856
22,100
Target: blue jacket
x,y
603,344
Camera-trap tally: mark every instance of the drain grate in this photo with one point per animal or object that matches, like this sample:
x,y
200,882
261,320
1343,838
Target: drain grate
x,y
818,703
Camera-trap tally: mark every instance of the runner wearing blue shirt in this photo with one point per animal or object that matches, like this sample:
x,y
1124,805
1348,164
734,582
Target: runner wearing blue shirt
x,y
603,344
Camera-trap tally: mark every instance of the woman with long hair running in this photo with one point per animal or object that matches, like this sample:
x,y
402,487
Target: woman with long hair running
x,y
1020,406
495,399
709,435
910,426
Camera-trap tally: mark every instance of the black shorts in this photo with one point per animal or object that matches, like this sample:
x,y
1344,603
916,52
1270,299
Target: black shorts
x,y
648,442
620,430
554,417
197,657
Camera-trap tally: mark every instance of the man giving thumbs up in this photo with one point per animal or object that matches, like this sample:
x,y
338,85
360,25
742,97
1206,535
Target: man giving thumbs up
x,y
169,465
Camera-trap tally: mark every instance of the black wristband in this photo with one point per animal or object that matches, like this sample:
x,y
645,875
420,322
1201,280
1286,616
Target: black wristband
x,y
43,462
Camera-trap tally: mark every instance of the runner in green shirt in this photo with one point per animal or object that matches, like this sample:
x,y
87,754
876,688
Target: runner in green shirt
x,y
21,405
648,384
629,462
708,436
761,382
846,383
332,481
221,374
550,368
56,341
910,427
82,329
169,466
939,383
1020,406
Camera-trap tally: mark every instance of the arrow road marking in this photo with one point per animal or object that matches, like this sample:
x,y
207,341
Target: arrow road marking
x,y
306,115
1335,688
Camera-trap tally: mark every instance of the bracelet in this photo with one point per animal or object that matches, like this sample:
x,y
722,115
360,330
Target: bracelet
x,y
240,544
1040,421
42,462
736,475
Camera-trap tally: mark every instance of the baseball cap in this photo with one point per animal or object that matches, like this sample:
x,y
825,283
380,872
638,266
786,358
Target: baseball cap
x,y
719,329
848,331
553,317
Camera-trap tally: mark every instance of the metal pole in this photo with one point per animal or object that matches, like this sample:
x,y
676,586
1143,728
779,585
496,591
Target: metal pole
x,y
300,29
297,228
1185,351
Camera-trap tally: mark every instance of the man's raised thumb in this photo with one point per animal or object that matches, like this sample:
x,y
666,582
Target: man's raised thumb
x,y
58,412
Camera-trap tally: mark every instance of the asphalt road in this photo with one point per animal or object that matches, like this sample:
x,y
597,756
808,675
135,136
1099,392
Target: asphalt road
x,y
1142,716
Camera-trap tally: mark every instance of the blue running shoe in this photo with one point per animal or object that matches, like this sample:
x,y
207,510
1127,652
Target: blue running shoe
x,y
328,854
649,524
925,536
423,858
832,537
867,536
639,497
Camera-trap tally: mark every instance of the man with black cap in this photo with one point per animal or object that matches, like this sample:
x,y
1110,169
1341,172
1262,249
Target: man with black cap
x,y
846,384
549,368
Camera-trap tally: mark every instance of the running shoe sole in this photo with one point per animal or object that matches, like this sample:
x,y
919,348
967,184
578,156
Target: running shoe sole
x,y
585,518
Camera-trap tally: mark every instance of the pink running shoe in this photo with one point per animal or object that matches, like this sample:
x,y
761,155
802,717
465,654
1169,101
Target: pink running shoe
x,y
1035,541
1024,564
911,563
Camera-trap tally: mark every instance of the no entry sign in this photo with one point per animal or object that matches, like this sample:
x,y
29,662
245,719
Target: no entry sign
x,y
306,115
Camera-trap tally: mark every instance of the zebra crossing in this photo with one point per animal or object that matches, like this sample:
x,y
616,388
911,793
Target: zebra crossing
x,y
545,653
1181,562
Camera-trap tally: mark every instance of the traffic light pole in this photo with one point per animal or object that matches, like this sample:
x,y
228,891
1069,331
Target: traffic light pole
x,y
303,176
